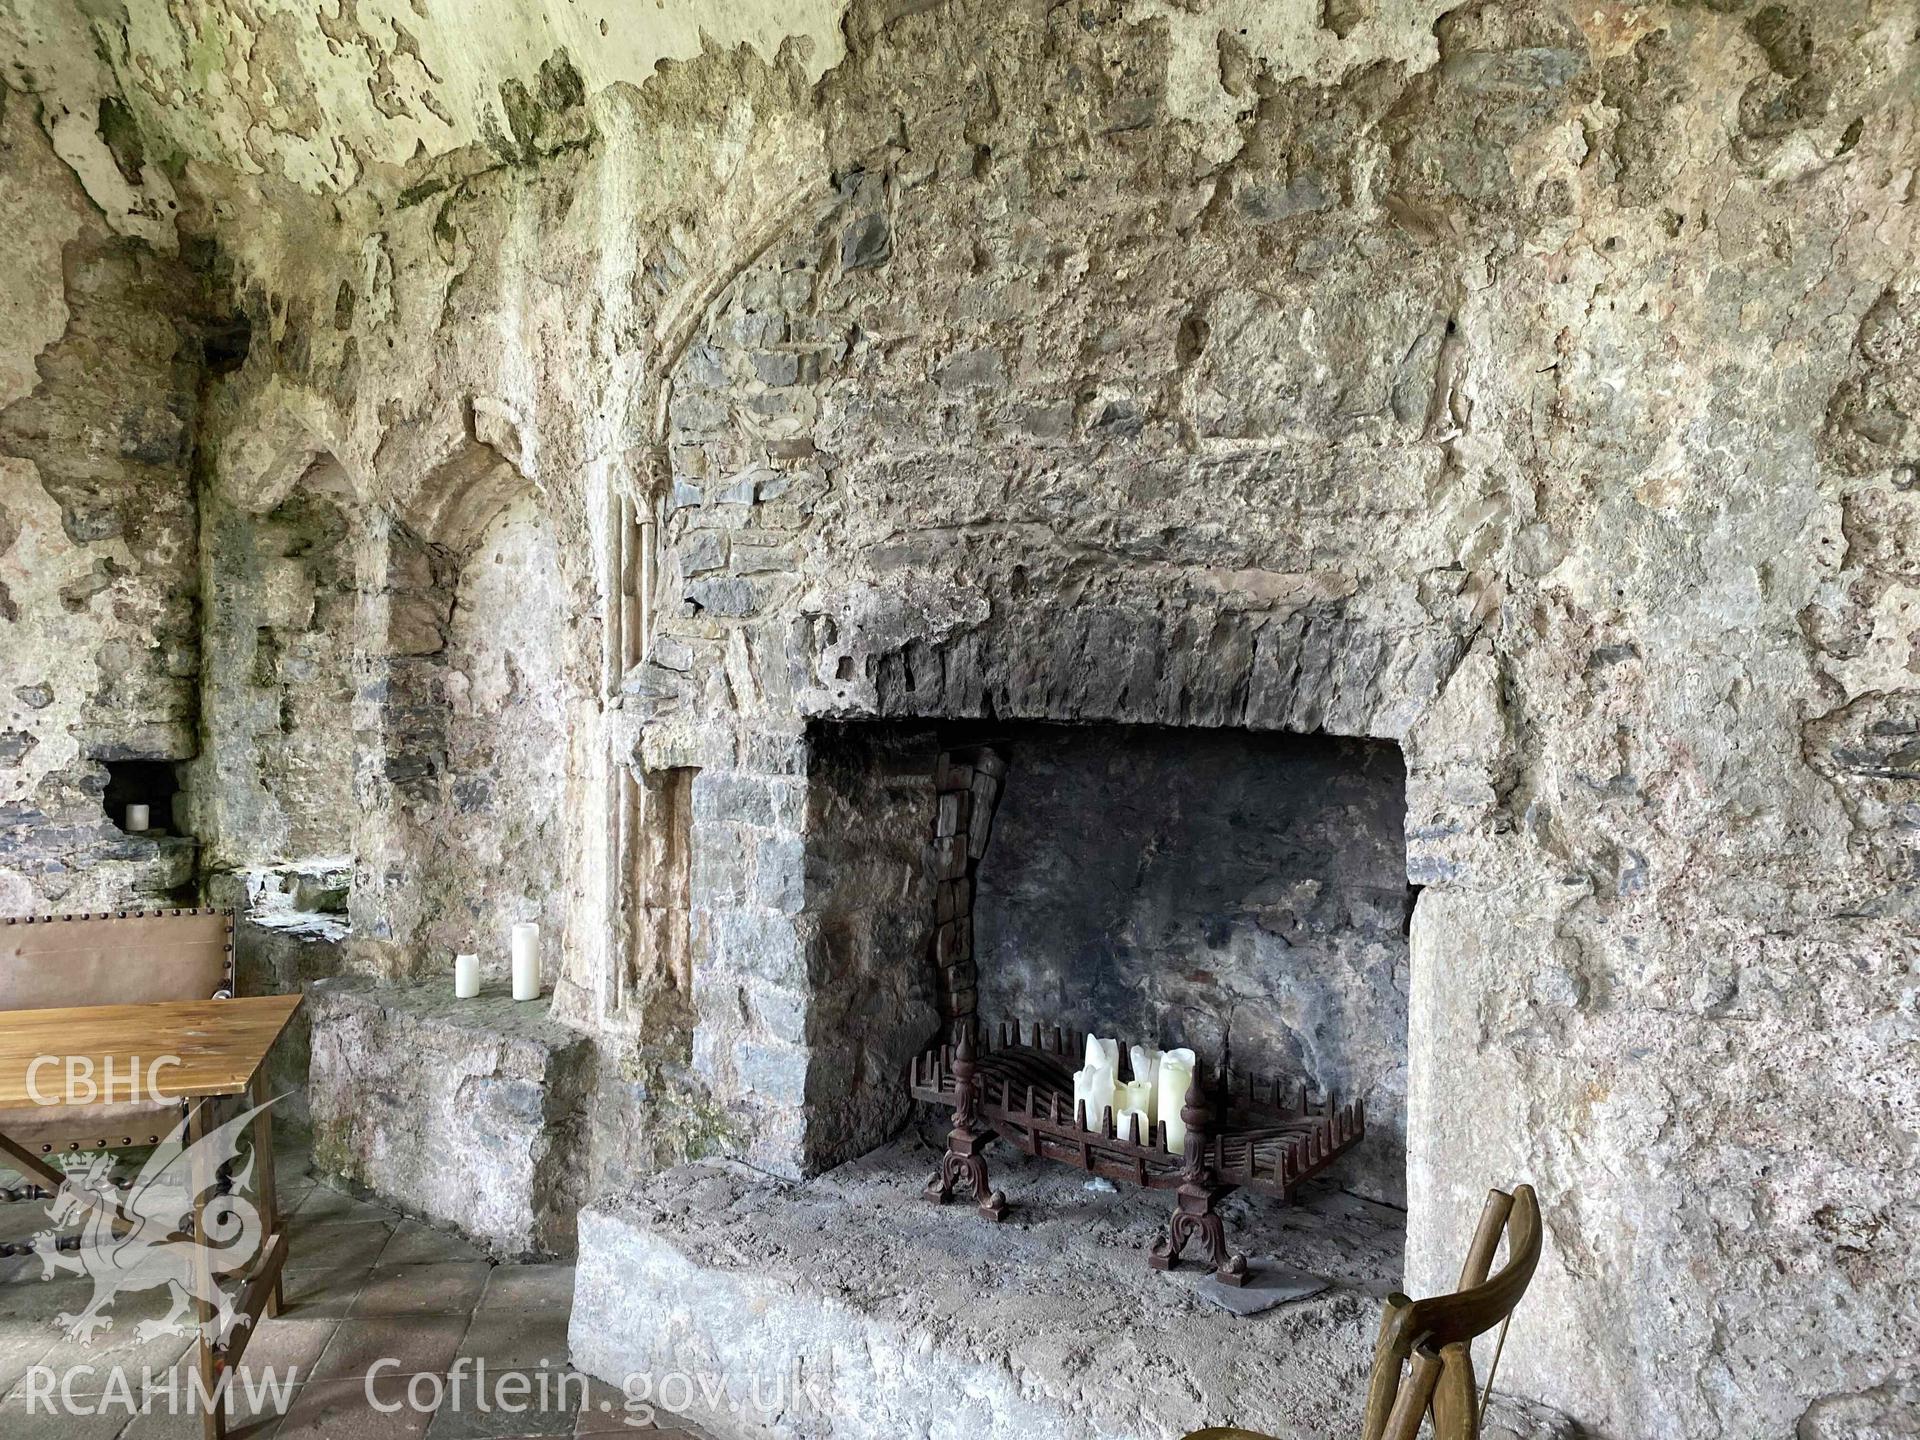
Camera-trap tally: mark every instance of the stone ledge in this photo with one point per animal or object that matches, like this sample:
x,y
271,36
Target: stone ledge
x,y
470,1113
922,1320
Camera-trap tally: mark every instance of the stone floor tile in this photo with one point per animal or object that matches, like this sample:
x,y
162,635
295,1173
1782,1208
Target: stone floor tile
x,y
287,1344
606,1413
554,1411
529,1287
526,1340
416,1244
344,1410
251,1415
322,1205
337,1246
323,1294
86,1368
19,1421
418,1342
22,1343
34,1298
453,1287
22,1220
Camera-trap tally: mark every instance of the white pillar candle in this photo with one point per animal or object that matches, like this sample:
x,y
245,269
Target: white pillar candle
x,y
526,961
1103,1055
1093,1089
1146,1066
1093,1082
1131,1099
1176,1073
139,819
466,976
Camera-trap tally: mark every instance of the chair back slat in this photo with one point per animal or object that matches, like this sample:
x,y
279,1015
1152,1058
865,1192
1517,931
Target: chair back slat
x,y
1433,1337
1410,1406
1486,1239
1456,1412
1384,1382
1465,1314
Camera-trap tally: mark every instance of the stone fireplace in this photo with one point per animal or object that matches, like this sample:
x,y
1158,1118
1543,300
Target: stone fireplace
x,y
1471,447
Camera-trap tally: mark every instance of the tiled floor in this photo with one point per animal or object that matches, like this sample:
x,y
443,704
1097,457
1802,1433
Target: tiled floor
x,y
369,1293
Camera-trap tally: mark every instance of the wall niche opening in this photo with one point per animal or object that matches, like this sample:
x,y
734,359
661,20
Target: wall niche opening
x,y
152,783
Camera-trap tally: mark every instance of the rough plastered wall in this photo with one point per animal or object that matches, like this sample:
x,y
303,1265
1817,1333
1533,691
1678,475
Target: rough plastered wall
x,y
100,364
1528,384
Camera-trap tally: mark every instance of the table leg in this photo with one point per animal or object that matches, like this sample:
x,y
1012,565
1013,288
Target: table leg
x,y
263,1168
205,1360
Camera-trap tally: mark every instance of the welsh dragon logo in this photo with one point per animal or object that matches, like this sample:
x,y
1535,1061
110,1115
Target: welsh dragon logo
x,y
141,1238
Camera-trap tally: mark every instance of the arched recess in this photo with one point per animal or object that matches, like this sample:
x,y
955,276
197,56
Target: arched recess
x,y
462,723
280,522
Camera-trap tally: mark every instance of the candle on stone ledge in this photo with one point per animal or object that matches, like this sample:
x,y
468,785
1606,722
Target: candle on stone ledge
x,y
139,819
526,961
466,976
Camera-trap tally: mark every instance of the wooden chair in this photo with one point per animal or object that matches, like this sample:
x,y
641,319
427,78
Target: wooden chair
x,y
1423,1360
122,957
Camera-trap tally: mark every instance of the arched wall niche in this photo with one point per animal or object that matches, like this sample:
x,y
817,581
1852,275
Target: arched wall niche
x,y
281,525
464,724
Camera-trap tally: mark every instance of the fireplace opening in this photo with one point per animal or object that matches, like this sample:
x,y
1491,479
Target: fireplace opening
x,y
1239,893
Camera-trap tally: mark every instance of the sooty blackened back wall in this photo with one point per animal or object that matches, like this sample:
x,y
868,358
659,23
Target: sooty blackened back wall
x,y
1242,893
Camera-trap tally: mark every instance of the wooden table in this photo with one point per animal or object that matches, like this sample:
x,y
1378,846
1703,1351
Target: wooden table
x,y
221,1046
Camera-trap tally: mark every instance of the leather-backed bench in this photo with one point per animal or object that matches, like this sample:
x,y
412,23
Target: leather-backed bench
x,y
122,957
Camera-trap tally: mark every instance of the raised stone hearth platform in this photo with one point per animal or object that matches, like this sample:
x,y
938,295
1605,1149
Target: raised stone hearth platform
x,y
470,1113
906,1318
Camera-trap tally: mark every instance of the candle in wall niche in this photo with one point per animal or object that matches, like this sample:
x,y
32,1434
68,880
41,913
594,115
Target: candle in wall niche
x,y
526,961
1176,1073
139,819
466,976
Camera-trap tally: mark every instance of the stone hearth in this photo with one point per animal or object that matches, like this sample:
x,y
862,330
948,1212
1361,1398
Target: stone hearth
x,y
917,1319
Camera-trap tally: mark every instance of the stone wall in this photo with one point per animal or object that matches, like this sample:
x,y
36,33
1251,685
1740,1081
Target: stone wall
x,y
100,368
1244,895
276,787
865,895
1524,384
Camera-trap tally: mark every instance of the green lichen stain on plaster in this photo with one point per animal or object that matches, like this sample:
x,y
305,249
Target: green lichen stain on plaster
x,y
208,56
